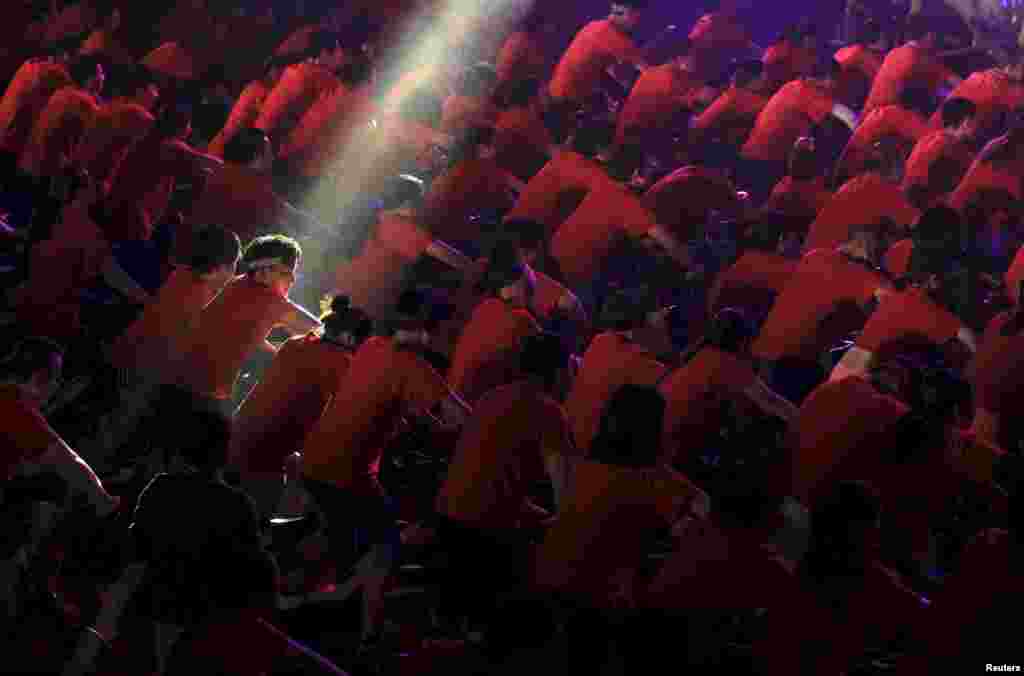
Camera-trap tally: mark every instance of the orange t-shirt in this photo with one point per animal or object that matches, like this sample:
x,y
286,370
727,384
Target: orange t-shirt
x,y
173,61
938,145
239,199
784,61
824,283
595,547
283,408
459,113
885,121
683,200
26,96
58,131
301,86
500,455
227,332
897,258
992,92
658,96
840,427
520,57
584,242
904,67
156,339
375,277
611,361
243,114
752,281
486,354
115,127
598,46
24,431
521,142
730,117
61,268
801,199
694,394
908,315
556,191
997,371
866,199
470,187
791,113
384,382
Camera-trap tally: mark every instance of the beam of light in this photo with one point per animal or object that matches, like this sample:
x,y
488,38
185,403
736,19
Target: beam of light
x,y
364,152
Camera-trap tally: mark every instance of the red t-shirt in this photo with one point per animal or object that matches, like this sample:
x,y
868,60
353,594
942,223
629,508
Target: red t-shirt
x,y
384,382
683,200
904,67
730,117
295,93
291,396
487,353
897,258
521,142
866,199
459,113
714,39
588,238
825,285
328,130
611,361
500,455
243,114
939,145
26,96
598,45
801,199
24,431
56,134
997,371
467,189
694,394
239,199
753,281
791,113
785,61
521,57
556,191
908,316
174,61
992,92
859,66
883,122
657,97
984,175
115,127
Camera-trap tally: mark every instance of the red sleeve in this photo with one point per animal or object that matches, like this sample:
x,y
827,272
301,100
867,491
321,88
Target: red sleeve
x,y
423,388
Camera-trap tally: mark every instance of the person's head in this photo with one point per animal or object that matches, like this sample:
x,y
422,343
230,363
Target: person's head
x,y
193,429
593,137
626,160
627,14
138,85
844,525
215,253
273,260
887,157
356,72
730,331
764,231
108,17
921,29
251,147
803,160
870,32
958,114
803,34
174,122
627,309
543,356
326,47
346,325
87,72
748,73
630,431
274,67
530,236
475,142
866,241
939,229
520,93
34,364
744,498
917,99
478,81
402,192
506,275
419,311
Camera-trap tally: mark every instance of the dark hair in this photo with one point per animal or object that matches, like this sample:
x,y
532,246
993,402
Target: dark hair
x,y
935,397
593,136
765,231
273,246
246,146
322,41
630,433
504,268
934,243
469,142
477,79
528,233
837,553
748,71
917,99
172,121
803,161
28,357
343,319
729,330
134,80
627,309
543,355
634,4
83,68
356,71
520,92
870,31
627,158
243,578
212,247
957,110
192,428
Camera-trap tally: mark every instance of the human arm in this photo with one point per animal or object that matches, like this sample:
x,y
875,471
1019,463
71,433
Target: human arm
x,y
76,472
769,401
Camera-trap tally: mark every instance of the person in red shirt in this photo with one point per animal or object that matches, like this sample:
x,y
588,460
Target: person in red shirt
x,y
106,41
620,355
236,324
388,379
940,159
718,37
619,499
25,97
274,420
597,47
554,193
523,54
471,104
860,63
29,376
517,435
731,117
997,167
903,123
716,369
658,105
683,201
142,184
994,92
522,143
802,193
996,374
249,104
826,299
914,64
117,125
792,57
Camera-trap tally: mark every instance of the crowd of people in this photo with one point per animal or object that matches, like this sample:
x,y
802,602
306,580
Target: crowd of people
x,y
708,350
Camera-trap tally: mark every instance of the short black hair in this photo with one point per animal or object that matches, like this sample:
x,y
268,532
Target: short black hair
x,y
748,71
84,68
212,247
356,71
543,355
281,247
529,234
345,319
634,4
729,330
630,431
764,232
627,158
192,427
246,146
520,92
323,40
134,79
918,99
477,79
172,121
593,136
28,357
957,110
